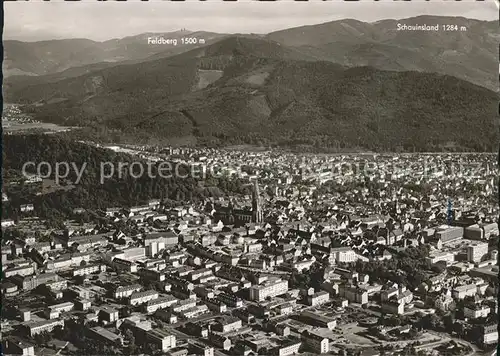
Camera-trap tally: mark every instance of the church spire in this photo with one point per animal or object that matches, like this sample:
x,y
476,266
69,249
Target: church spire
x,y
257,215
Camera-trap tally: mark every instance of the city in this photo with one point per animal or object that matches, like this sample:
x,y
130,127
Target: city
x,y
345,254
278,178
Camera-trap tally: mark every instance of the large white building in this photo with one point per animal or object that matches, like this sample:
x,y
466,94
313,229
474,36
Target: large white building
x,y
162,339
447,257
468,290
27,270
289,347
160,303
446,233
155,242
318,298
318,344
143,297
343,255
477,251
268,289
89,269
45,325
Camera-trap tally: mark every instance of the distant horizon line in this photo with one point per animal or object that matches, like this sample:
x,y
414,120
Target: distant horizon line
x,y
7,38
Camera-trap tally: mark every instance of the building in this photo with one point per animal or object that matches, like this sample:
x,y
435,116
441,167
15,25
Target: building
x,y
449,233
83,304
179,283
38,327
316,343
53,311
126,291
26,270
353,294
285,309
343,255
166,315
476,251
200,273
194,311
78,292
57,285
175,256
182,305
252,247
393,306
89,269
152,275
490,334
231,215
318,298
8,223
108,315
476,311
160,303
268,289
133,253
162,339
230,300
490,229
86,242
244,315
318,320
447,257
219,341
101,334
290,346
201,349
31,282
468,290
17,346
27,208
155,242
387,294
124,265
177,351
444,302
215,305
143,297
140,209
481,231
227,324
9,289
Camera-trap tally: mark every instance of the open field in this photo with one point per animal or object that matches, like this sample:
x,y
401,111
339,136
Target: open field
x,y
16,126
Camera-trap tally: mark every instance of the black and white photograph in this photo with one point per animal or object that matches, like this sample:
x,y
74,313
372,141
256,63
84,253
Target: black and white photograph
x,y
250,178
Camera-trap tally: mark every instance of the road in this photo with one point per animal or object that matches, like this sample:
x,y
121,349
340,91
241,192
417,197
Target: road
x,y
277,273
62,348
179,334
475,349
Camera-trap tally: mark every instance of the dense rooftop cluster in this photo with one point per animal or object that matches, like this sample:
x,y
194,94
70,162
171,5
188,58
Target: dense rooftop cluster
x,y
325,256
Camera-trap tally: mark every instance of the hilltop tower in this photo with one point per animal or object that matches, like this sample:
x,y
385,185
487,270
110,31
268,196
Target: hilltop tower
x,y
257,215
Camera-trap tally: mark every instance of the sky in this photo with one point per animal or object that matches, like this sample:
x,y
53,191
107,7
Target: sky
x,y
35,21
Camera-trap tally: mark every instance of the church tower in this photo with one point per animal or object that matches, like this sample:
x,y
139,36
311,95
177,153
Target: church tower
x,y
230,211
257,215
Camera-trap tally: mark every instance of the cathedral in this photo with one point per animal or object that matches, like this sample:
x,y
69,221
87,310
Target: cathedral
x,y
240,216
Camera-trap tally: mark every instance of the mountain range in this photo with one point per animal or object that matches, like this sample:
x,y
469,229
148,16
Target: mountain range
x,y
340,85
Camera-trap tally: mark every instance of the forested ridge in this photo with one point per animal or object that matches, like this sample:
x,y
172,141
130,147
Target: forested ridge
x,y
269,95
89,193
